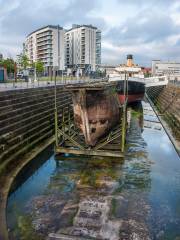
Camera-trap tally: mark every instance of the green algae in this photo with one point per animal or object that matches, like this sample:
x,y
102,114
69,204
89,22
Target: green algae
x,y
97,171
136,114
113,207
25,230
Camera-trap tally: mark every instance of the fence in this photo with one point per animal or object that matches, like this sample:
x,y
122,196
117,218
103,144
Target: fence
x,y
22,85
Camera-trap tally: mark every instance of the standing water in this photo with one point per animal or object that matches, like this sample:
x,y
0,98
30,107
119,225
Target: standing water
x,y
137,197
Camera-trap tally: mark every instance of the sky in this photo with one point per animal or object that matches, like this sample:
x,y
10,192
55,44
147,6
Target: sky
x,y
148,29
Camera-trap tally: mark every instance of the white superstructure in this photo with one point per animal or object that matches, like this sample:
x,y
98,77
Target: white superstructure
x,y
134,73
130,69
47,45
83,47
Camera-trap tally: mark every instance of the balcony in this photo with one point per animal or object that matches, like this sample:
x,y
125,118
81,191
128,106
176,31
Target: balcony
x,y
44,34
45,49
44,43
44,39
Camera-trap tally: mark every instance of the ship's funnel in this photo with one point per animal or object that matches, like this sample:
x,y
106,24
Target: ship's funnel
x,y
129,60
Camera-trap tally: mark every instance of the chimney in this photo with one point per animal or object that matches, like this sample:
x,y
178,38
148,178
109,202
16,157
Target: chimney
x,y
129,60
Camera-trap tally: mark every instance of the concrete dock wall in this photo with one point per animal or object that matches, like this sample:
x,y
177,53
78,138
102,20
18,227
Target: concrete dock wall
x,y
27,119
167,101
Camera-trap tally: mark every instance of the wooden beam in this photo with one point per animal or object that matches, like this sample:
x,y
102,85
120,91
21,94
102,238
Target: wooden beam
x,y
109,146
107,141
59,236
70,139
89,152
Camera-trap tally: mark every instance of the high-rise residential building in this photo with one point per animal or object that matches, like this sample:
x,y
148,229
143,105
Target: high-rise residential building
x,y
83,47
47,45
98,47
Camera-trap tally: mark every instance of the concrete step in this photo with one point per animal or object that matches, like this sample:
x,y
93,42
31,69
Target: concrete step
x,y
24,149
15,115
28,97
22,122
24,106
12,149
20,92
24,132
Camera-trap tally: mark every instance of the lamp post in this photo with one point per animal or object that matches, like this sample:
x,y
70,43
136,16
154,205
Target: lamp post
x,y
77,73
62,76
35,73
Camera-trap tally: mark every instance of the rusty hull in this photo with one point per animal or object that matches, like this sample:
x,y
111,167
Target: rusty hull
x,y
96,111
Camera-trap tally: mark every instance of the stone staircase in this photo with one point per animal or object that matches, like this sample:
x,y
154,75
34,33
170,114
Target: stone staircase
x,y
167,101
27,119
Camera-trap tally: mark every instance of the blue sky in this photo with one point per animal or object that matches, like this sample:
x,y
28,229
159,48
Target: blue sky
x,y
148,29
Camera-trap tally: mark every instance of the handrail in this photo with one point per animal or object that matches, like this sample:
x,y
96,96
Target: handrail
x,y
24,85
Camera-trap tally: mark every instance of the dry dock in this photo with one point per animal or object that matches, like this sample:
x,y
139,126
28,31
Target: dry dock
x,y
27,126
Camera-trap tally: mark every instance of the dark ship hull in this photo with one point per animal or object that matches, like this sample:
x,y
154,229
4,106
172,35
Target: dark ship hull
x,y
136,91
96,111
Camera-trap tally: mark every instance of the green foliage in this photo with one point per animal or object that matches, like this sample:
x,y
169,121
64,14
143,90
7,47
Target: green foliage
x,y
39,66
24,61
8,64
26,230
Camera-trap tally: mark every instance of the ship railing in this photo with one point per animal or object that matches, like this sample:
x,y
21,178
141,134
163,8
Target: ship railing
x,y
156,81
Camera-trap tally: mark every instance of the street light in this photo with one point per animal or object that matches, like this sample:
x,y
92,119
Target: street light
x,y
77,73
35,73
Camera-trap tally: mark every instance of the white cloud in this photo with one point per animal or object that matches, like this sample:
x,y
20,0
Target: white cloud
x,y
147,29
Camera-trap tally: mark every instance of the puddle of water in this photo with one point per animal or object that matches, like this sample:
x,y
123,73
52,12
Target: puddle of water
x,y
137,198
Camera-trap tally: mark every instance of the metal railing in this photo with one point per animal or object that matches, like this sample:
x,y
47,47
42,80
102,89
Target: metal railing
x,y
23,85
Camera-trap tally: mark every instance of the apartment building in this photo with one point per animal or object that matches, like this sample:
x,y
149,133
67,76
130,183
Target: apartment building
x,y
83,48
47,45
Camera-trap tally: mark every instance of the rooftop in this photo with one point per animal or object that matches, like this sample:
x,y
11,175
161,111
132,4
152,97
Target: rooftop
x,y
48,26
74,26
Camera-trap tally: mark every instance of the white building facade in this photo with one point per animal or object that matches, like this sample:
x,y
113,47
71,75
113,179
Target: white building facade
x,y
47,45
83,48
160,68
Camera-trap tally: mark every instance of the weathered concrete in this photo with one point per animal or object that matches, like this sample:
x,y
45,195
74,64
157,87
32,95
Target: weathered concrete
x,y
26,128
6,182
26,118
167,101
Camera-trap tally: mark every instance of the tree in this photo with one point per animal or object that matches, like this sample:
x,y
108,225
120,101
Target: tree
x,y
39,66
9,64
24,61
1,63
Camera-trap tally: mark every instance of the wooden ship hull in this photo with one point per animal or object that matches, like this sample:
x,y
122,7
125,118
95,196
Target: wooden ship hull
x,y
96,111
